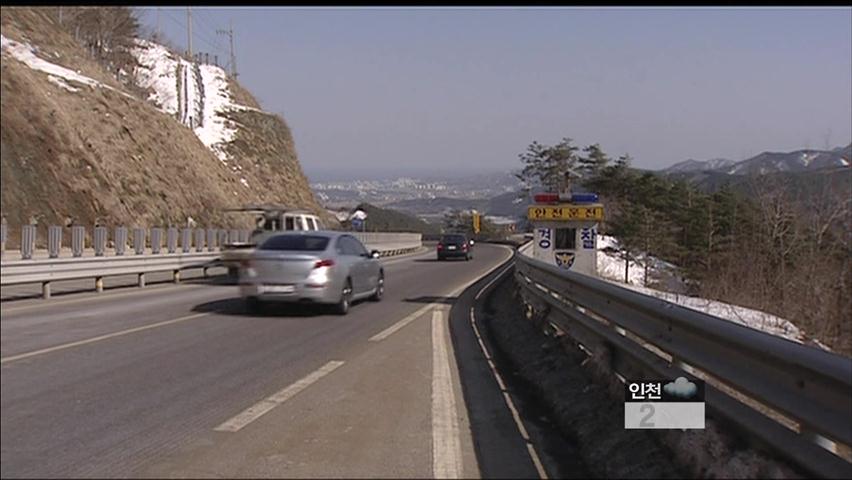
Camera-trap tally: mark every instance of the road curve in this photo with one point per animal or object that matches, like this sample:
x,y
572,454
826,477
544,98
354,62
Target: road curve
x,y
180,381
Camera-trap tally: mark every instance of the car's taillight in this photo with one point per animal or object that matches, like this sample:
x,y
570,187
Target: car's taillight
x,y
464,246
324,263
440,247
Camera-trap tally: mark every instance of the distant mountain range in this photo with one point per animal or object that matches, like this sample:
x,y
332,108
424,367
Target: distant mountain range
x,y
769,162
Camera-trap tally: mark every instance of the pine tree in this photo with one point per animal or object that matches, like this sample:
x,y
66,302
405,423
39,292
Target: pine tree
x,y
546,166
594,162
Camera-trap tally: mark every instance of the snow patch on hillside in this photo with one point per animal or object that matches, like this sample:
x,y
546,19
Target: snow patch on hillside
x,y
202,103
157,72
611,268
58,81
611,264
57,74
215,130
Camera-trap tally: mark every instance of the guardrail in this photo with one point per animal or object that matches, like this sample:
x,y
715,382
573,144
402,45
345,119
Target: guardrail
x,y
99,243
390,243
748,373
46,271
97,261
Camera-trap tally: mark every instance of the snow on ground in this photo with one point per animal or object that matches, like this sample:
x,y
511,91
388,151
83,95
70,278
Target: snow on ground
x,y
25,53
157,72
611,268
611,265
201,105
61,83
215,131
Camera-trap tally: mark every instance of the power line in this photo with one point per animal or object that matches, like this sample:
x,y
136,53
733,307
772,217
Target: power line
x,y
200,15
177,22
230,33
196,34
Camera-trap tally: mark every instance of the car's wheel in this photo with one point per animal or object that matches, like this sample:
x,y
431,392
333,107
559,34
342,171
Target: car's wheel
x,y
342,307
467,257
440,258
380,289
253,304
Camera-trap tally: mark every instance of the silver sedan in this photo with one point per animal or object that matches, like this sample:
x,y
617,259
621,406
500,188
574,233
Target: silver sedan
x,y
332,268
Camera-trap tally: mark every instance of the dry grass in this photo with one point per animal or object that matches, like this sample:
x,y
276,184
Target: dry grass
x,y
96,155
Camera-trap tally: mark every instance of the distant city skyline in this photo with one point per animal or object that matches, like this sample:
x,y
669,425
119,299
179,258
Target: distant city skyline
x,y
419,90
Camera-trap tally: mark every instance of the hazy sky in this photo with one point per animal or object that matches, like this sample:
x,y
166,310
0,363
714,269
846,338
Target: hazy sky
x,y
429,89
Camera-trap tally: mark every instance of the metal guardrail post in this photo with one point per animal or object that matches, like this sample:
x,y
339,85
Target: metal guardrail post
x,y
211,239
120,240
171,239
28,237
54,240
244,236
100,240
199,240
4,234
223,237
186,239
78,240
156,240
233,236
139,240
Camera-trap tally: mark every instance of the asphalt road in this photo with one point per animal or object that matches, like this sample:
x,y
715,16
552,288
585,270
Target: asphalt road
x,y
180,381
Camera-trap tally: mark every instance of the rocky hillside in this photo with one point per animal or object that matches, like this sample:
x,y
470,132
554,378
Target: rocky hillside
x,y
175,140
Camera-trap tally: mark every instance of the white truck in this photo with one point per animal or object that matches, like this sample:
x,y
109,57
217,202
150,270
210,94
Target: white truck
x,y
268,220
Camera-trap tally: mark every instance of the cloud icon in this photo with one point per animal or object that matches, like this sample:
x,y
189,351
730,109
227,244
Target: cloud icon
x,y
681,387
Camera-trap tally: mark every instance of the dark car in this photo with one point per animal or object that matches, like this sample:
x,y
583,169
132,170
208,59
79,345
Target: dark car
x,y
455,245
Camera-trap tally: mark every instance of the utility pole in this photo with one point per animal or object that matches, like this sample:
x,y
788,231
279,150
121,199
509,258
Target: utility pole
x,y
230,33
189,30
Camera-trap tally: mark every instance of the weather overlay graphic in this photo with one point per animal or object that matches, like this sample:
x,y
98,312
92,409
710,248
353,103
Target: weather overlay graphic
x,y
664,404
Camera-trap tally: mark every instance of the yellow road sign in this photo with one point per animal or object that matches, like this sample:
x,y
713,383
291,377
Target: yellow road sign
x,y
565,212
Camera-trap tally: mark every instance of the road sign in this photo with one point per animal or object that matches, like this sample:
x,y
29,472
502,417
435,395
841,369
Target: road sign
x,y
476,222
565,212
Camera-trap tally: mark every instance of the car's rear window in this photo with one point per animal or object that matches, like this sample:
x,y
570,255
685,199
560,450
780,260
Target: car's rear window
x,y
305,243
452,239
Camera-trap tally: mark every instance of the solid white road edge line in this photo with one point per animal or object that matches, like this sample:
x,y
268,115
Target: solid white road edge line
x,y
509,403
446,444
99,338
254,412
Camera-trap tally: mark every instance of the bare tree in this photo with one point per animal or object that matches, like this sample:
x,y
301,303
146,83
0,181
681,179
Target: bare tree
x,y
108,33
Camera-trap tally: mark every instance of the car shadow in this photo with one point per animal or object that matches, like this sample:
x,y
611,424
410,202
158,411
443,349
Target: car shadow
x,y
237,306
